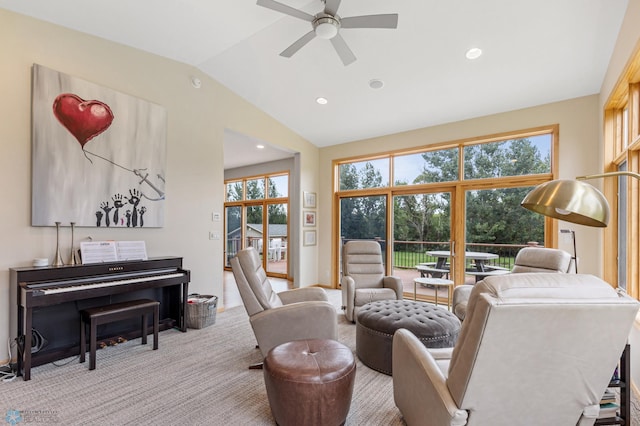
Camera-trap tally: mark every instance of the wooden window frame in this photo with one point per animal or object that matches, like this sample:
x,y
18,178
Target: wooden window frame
x,y
264,202
456,188
625,95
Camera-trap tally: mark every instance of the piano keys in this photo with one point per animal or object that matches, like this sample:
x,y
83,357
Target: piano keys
x,y
68,288
49,299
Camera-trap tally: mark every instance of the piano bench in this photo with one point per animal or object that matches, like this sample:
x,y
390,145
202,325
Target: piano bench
x,y
116,312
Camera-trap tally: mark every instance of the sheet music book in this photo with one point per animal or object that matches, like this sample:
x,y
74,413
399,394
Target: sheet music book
x,y
112,251
131,250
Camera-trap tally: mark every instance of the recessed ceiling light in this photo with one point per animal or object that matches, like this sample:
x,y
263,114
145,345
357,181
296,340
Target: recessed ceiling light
x,y
376,83
260,146
473,53
322,101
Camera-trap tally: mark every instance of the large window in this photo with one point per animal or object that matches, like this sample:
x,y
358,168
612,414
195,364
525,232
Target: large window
x,y
622,153
364,174
256,215
459,196
514,157
426,167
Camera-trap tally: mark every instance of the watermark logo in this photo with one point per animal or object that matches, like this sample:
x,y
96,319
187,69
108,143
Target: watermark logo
x,y
13,417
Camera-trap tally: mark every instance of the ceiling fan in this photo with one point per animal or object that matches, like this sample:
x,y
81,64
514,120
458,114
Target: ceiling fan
x,y
327,25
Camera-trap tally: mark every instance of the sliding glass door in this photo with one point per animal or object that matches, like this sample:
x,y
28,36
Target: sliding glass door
x,y
363,218
277,238
421,239
233,232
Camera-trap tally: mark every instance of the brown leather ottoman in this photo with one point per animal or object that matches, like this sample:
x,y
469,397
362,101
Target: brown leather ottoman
x,y
310,382
376,322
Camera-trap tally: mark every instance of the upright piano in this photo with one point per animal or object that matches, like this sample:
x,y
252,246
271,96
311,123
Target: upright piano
x,y
46,303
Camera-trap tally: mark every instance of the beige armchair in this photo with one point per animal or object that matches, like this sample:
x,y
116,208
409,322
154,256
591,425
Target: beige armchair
x,y
528,259
277,318
363,279
535,349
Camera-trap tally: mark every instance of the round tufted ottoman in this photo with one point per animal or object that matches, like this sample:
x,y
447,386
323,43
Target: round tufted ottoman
x,y
310,382
376,322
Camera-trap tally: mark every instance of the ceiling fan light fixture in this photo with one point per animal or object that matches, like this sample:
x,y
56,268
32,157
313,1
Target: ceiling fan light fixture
x,y
326,27
322,101
327,24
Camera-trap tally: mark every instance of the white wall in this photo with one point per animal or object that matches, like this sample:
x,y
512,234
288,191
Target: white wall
x,y
196,123
579,135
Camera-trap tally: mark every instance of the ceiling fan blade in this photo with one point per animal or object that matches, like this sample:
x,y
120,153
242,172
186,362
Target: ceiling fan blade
x,y
274,5
343,50
370,21
331,7
298,44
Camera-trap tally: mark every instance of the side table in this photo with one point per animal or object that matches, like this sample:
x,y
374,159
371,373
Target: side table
x,y
436,282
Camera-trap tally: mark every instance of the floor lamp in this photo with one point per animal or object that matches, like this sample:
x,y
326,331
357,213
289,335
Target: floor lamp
x,y
573,200
575,252
569,200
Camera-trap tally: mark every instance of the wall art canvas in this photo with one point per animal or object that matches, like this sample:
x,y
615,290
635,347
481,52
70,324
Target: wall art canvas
x,y
98,155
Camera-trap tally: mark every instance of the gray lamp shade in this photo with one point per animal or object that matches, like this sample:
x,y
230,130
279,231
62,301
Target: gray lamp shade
x,y
569,200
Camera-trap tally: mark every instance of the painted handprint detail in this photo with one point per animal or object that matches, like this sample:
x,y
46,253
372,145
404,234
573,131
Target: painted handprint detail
x,y
118,203
143,209
106,208
134,200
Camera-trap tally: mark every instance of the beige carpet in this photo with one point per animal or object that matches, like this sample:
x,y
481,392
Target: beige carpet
x,y
195,378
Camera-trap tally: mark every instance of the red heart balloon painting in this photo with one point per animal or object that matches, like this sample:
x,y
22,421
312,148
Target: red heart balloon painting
x,y
83,119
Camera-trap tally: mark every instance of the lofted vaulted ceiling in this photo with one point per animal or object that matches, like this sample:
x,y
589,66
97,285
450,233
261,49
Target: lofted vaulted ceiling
x,y
534,52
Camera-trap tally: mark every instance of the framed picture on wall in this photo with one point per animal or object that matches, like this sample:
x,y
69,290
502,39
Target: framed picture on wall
x,y
309,218
98,155
309,200
309,238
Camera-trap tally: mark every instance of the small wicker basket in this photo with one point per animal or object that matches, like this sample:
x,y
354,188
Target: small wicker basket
x,y
201,310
